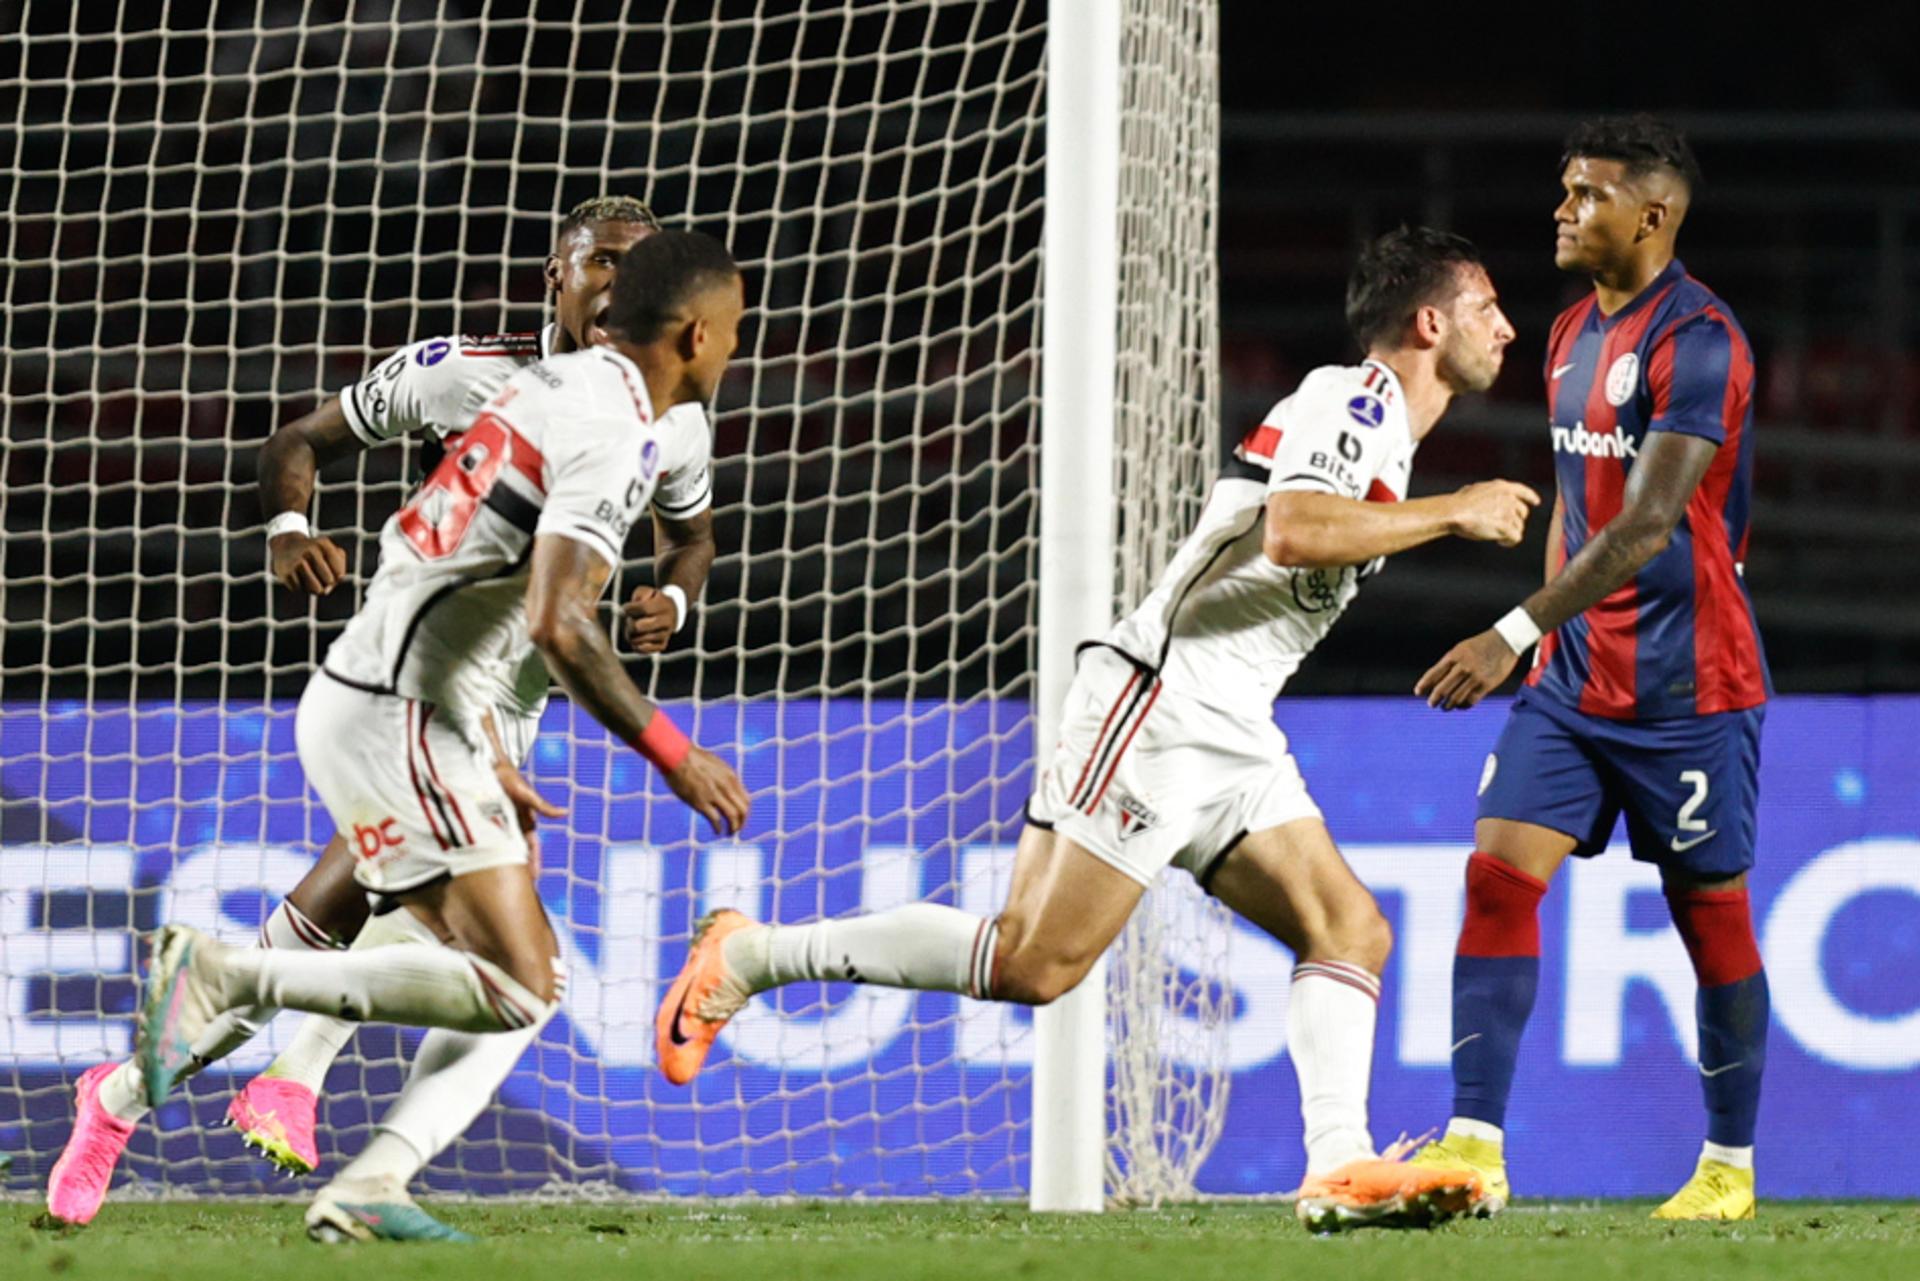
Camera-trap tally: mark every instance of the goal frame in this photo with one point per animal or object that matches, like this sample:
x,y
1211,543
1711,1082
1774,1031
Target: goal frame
x,y
1080,284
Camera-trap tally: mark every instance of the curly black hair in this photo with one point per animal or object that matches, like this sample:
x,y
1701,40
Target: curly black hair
x,y
607,209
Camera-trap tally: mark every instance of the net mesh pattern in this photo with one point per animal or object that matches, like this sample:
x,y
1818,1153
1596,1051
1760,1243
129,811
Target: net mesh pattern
x,y
224,212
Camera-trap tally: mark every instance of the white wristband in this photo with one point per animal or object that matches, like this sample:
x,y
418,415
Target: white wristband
x,y
288,523
679,599
1518,630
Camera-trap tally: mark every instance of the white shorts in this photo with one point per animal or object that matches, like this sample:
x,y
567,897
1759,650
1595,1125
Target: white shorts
x,y
413,797
1144,776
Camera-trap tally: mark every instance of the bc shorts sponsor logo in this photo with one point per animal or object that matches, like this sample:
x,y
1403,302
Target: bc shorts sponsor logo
x,y
1367,411
371,840
1623,378
432,353
1578,440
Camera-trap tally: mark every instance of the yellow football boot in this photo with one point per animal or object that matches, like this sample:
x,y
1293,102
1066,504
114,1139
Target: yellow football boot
x,y
1482,1156
1717,1191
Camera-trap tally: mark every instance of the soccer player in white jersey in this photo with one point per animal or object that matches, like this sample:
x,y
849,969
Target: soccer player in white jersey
x,y
426,390
1168,751
514,534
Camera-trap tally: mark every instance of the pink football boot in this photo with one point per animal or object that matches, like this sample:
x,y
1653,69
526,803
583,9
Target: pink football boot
x,y
275,1116
80,1177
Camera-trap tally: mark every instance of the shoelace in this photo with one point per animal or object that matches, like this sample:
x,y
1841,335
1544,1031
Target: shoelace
x,y
1403,1147
1717,1183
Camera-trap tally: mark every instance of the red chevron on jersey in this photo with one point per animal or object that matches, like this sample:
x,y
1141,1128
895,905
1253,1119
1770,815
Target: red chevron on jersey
x,y
1679,639
1257,446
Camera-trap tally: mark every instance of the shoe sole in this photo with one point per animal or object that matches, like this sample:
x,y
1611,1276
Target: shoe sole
x,y
1424,1209
677,995
1748,1217
1488,1206
330,1226
277,1154
173,952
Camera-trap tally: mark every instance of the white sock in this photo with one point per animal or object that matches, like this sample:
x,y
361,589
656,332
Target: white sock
x,y
1738,1158
389,1158
453,1078
924,946
416,986
123,1093
1468,1128
1330,1018
320,1037
286,928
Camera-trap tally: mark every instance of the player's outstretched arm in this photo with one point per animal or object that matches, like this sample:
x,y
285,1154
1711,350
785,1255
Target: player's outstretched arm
x,y
288,463
564,588
1661,484
1309,529
683,555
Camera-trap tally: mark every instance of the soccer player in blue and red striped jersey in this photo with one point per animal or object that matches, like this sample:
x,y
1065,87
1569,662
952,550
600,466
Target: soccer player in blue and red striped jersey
x,y
1650,683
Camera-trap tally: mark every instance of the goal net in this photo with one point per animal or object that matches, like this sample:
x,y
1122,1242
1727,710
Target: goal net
x,y
223,212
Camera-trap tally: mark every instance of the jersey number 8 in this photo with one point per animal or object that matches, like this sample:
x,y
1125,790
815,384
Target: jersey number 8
x,y
441,513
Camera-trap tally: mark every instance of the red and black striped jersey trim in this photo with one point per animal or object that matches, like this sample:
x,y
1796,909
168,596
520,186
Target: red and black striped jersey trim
x,y
500,344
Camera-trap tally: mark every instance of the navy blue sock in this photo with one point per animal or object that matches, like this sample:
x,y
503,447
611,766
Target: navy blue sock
x,y
1732,1007
1733,1054
1492,998
1496,973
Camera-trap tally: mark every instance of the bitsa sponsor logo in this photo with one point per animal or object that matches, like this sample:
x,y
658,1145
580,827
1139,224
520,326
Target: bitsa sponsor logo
x,y
1578,440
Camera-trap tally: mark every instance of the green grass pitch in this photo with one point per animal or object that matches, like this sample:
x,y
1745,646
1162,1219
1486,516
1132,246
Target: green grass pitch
x,y
263,1241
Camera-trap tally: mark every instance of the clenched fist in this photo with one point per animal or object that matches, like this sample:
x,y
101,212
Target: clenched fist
x,y
651,616
1493,511
306,564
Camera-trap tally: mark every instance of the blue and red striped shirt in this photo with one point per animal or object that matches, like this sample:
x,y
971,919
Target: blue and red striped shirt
x,y
1679,638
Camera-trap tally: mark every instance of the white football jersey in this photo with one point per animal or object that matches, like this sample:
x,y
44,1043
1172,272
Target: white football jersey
x,y
1226,625
435,386
570,446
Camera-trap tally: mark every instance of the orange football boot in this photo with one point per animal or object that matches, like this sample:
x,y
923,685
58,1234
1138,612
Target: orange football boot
x,y
703,997
1385,1192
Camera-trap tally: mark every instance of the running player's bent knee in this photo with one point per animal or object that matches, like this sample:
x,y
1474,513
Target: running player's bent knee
x,y
1354,931
1028,976
512,1004
1360,937
1368,939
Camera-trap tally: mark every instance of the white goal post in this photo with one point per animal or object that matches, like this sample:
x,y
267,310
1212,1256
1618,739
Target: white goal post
x,y
974,411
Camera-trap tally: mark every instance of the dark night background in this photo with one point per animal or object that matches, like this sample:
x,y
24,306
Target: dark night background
x,y
176,291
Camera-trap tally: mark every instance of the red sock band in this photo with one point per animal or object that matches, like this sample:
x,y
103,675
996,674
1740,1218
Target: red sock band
x,y
1503,910
1717,927
662,742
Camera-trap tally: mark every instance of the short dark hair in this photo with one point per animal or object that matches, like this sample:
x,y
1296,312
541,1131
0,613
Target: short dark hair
x,y
658,277
607,209
1399,273
1641,142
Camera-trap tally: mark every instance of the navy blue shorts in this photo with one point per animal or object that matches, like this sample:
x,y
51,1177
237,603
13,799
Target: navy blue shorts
x,y
1689,785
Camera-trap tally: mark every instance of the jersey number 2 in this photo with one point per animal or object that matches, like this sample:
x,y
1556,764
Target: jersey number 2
x,y
1697,780
441,513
